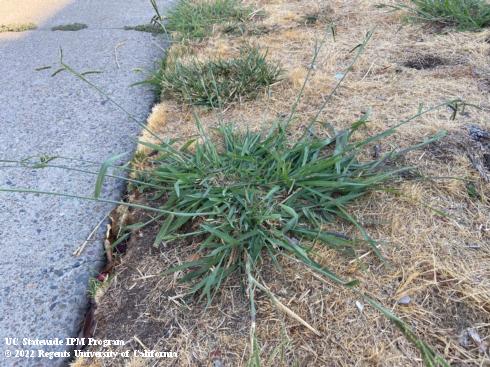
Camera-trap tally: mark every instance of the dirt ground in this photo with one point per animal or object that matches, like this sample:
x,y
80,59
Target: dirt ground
x,y
435,232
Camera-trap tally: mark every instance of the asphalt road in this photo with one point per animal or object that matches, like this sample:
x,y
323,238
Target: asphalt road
x,y
43,286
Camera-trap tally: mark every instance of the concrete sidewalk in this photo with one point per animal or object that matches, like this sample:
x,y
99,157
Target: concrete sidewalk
x,y
42,285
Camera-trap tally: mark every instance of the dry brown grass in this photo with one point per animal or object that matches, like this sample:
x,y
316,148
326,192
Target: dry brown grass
x,y
439,261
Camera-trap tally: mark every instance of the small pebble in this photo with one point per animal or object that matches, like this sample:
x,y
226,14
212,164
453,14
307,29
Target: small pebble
x,y
405,300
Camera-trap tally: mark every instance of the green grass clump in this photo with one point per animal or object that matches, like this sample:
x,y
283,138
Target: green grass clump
x,y
215,83
21,27
261,196
195,18
71,27
462,14
247,197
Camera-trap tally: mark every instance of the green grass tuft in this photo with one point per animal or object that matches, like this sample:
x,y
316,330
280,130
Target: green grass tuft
x,y
215,83
263,195
462,14
72,27
21,27
194,19
250,196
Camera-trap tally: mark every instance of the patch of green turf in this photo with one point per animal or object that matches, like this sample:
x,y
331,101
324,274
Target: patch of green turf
x,y
217,82
462,14
195,18
21,27
72,27
149,28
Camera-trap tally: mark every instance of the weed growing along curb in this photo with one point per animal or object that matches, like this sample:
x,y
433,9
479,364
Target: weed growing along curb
x,y
264,195
462,14
215,83
193,19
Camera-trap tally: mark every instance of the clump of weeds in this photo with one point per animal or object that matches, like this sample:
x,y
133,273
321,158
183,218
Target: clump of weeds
x,y
215,83
194,19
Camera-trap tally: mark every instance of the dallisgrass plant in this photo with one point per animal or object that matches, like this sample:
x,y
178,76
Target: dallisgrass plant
x,y
194,19
462,14
257,196
264,195
215,83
